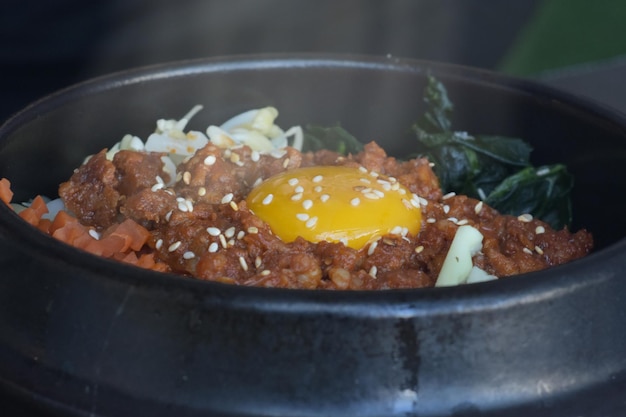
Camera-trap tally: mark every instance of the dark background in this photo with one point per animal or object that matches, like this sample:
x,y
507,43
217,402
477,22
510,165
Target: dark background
x,y
47,45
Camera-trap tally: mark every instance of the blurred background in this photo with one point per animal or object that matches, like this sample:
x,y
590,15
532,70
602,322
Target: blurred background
x,y
577,45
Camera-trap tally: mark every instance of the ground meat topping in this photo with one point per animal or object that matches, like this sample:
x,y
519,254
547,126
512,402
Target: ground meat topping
x,y
202,227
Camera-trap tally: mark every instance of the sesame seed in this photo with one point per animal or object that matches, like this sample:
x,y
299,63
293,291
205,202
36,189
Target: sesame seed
x,y
168,216
365,180
174,246
233,205
293,182
324,198
528,251
230,232
234,158
210,160
227,198
431,220
265,272
201,191
223,241
187,177
453,219
431,164
241,234
307,204
396,230
157,186
299,189
231,243
379,193
213,247
302,217
253,230
372,248
344,241
268,199
257,182
317,189
189,205
94,234
371,196
540,230
159,180
189,255
446,208
255,156
449,195
401,191
538,250
374,174
258,262
213,231
407,204
311,222
395,186
318,178
405,231
525,218
363,169
243,263
183,207
422,201
462,222
478,207
159,244
355,201
296,197
373,271
419,249
286,162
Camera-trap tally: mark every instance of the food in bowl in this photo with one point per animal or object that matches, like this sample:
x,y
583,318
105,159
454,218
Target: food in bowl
x,y
242,205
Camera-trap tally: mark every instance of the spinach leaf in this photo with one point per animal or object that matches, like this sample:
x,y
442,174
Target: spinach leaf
x,y
334,138
496,169
542,191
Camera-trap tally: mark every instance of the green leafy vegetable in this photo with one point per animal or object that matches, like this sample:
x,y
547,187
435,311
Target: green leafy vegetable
x,y
334,138
543,191
496,169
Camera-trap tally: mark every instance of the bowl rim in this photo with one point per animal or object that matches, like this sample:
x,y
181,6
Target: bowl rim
x,y
523,288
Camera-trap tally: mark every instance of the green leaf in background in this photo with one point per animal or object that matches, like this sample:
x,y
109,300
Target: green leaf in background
x,y
334,138
541,191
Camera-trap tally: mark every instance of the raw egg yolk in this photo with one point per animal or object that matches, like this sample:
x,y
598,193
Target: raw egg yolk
x,y
336,204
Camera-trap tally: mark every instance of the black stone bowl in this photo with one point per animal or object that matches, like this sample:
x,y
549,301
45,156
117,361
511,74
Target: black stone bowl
x,y
85,336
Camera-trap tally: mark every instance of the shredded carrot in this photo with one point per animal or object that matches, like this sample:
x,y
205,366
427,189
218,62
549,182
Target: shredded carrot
x,y
44,225
6,194
134,235
122,242
33,213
